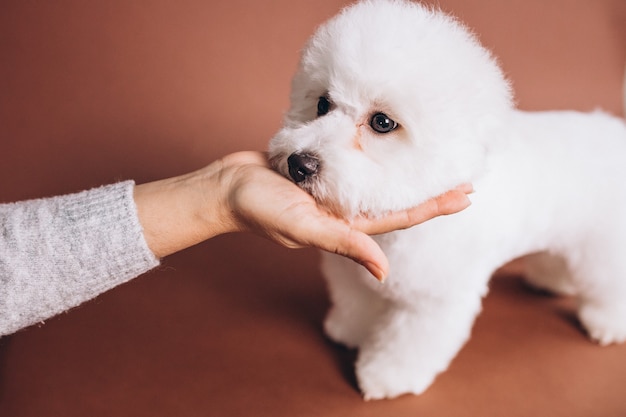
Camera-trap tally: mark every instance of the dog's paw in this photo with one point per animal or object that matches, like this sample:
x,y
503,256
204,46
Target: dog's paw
x,y
349,331
378,382
606,324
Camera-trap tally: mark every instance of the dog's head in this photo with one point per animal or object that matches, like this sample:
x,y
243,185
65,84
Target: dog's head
x,y
393,103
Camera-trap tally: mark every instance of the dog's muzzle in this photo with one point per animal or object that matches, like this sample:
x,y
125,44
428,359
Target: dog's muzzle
x,y
302,166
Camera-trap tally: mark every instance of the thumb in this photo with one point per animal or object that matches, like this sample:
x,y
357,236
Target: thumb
x,y
359,247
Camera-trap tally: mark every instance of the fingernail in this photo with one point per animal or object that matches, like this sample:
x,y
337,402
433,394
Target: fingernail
x,y
375,271
467,188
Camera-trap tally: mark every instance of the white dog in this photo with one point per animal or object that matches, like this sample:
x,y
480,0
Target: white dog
x,y
395,103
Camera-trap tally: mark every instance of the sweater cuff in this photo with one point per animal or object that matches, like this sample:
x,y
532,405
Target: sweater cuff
x,y
62,251
109,243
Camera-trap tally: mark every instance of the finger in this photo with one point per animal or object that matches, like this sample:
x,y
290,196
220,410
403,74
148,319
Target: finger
x,y
335,236
448,203
466,188
365,251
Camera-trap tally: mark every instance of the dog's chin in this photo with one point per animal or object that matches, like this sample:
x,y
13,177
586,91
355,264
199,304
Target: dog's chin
x,y
324,199
324,196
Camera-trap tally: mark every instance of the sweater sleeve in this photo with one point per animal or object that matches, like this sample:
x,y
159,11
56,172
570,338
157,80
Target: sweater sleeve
x,y
58,252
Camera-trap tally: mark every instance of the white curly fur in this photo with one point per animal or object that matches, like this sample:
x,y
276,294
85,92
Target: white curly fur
x,y
549,183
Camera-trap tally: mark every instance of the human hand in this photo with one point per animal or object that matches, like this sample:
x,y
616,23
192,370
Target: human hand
x,y
267,204
240,192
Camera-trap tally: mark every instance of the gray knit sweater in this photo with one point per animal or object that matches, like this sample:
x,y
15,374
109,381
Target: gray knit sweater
x,y
58,252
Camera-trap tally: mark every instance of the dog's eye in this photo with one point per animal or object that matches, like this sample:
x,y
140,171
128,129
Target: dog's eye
x,y
381,123
323,106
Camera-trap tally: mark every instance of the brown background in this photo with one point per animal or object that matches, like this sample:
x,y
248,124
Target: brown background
x,y
96,91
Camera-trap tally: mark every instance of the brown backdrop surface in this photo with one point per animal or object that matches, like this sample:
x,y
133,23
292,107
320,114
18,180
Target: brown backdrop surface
x,y
93,92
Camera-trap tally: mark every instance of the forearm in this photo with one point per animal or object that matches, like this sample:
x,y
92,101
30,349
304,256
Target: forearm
x,y
57,253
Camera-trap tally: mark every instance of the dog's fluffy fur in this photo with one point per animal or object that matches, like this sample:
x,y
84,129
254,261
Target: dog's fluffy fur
x,y
548,183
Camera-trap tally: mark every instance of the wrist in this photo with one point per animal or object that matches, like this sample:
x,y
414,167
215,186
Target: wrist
x,y
179,212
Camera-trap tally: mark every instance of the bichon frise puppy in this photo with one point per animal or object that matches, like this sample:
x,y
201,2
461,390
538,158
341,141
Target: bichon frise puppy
x,y
395,103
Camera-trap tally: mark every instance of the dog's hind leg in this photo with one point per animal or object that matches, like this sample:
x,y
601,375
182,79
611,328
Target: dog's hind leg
x,y
602,308
604,318
548,272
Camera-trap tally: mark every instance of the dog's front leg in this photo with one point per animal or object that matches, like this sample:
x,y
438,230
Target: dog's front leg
x,y
413,343
355,305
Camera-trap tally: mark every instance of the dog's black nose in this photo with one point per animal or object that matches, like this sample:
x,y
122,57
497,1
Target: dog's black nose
x,y
302,166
